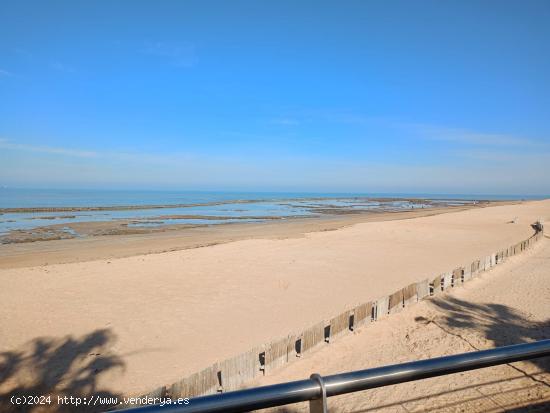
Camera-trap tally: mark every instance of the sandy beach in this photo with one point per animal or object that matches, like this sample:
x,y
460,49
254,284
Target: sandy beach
x,y
507,305
129,323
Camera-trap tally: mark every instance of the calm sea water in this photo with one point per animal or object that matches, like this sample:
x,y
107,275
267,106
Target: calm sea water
x,y
265,205
19,198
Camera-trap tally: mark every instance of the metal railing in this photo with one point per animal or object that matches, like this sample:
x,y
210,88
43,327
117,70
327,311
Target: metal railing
x,y
316,389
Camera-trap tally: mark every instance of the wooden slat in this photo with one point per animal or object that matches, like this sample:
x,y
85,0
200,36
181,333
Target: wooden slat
x,y
203,382
362,314
395,301
339,324
423,289
437,285
239,369
382,307
410,295
447,280
458,274
313,336
277,352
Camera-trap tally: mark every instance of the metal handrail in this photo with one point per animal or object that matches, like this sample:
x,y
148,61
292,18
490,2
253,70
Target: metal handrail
x,y
313,388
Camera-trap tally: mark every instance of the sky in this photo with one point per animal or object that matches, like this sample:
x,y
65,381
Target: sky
x,y
331,96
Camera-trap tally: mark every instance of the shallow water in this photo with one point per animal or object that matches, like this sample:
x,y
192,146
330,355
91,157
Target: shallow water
x,y
233,207
197,215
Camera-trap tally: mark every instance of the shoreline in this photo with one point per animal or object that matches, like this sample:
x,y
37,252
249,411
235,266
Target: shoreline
x,y
182,236
65,222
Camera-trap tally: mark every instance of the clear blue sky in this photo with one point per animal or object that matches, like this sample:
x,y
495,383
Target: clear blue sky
x,y
387,96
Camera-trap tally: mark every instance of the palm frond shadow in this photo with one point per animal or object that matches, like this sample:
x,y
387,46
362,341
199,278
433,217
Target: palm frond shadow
x,y
68,366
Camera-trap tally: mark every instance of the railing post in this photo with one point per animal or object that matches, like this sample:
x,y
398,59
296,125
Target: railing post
x,y
319,405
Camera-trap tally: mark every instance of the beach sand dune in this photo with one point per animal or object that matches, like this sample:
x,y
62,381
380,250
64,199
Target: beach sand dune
x,y
153,319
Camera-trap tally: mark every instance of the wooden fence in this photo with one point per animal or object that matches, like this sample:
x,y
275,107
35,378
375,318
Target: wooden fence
x,y
232,373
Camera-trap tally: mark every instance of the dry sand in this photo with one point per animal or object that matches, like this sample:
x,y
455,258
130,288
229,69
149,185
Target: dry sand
x,y
131,324
510,304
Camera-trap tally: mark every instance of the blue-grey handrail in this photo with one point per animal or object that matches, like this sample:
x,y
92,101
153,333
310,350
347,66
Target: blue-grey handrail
x,y
304,390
